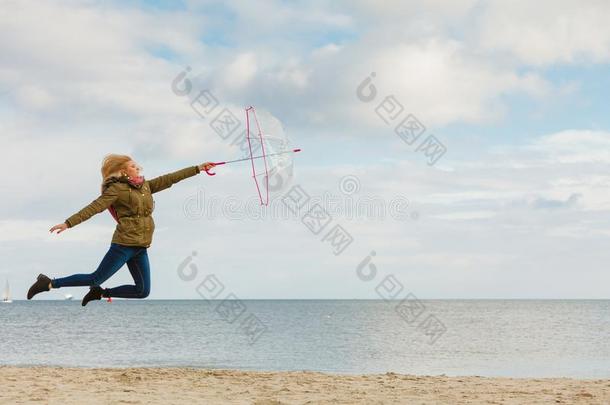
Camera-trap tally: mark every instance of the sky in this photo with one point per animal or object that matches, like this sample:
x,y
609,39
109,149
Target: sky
x,y
502,192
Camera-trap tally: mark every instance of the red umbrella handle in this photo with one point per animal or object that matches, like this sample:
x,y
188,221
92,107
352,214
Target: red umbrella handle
x,y
215,164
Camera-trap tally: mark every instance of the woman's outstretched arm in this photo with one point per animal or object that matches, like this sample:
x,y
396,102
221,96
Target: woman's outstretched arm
x,y
167,180
95,207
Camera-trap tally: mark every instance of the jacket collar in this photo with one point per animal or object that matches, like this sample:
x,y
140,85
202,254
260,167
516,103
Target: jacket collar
x,y
120,179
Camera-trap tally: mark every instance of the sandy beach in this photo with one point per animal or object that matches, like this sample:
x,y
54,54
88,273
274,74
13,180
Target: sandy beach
x,y
55,385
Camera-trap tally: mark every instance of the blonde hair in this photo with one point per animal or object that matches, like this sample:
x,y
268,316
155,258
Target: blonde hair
x,y
113,164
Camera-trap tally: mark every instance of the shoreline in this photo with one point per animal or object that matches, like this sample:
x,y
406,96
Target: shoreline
x,y
51,384
334,373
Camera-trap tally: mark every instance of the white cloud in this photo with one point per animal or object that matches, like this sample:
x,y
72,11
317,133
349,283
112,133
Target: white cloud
x,y
38,230
442,82
241,70
101,62
33,97
575,146
547,31
86,57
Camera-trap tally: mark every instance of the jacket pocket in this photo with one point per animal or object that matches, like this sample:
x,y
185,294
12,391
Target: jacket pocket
x,y
129,229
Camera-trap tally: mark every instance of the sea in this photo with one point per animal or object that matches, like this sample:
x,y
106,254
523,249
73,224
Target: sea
x,y
511,338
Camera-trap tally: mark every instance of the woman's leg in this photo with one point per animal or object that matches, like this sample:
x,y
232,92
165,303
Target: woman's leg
x,y
114,259
139,267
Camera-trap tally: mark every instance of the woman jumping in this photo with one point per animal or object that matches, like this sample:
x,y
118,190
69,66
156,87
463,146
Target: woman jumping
x,y
128,197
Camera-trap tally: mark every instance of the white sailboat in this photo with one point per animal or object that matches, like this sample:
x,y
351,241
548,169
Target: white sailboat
x,y
6,296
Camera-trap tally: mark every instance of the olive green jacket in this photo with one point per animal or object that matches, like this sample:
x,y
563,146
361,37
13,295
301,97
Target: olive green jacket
x,y
133,205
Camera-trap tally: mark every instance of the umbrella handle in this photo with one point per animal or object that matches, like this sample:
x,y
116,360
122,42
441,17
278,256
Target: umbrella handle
x,y
215,164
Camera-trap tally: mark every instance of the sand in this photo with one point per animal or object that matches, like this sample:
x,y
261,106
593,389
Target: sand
x,y
58,385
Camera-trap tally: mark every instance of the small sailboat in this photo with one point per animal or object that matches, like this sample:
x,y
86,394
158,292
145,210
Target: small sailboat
x,y
6,296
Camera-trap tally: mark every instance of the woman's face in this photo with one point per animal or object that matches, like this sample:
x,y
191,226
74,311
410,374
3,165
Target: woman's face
x,y
132,169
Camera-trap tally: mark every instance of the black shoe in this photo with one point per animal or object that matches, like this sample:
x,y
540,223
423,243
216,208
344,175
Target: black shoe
x,y
95,293
41,284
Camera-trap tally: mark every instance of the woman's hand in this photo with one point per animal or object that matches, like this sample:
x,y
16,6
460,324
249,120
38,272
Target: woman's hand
x,y
62,227
206,166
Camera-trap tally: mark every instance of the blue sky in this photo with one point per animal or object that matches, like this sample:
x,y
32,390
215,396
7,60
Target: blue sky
x,y
515,92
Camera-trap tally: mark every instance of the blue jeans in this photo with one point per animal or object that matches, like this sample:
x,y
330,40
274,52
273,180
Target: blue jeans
x,y
137,262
